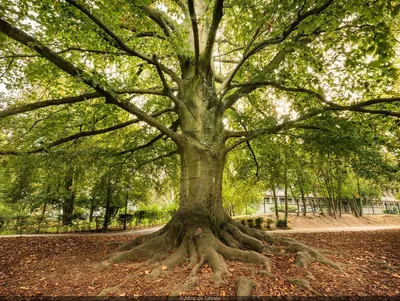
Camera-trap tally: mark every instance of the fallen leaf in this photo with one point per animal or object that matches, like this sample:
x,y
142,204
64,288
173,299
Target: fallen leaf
x,y
396,275
222,293
164,267
147,272
24,288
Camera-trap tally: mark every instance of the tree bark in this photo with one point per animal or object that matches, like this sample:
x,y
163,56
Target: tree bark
x,y
275,201
303,199
69,202
107,214
296,200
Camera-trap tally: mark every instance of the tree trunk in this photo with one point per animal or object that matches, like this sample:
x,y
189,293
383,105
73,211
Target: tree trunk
x,y
107,215
201,184
275,201
354,207
320,207
303,199
41,219
126,208
296,200
69,202
286,184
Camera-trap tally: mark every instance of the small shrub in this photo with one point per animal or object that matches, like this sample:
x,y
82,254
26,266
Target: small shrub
x,y
281,224
269,222
2,222
243,222
250,222
125,217
291,209
259,221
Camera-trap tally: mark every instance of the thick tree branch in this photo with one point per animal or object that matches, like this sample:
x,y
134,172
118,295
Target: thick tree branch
x,y
70,100
111,96
283,88
195,30
217,16
47,103
161,19
247,89
167,89
118,43
250,135
143,34
174,127
86,134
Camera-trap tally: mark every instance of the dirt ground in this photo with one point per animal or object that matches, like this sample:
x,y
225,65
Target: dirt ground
x,y
65,266
319,221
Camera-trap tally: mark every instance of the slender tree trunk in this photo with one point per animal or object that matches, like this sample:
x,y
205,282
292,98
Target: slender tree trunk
x,y
41,217
296,200
303,199
286,198
69,203
360,206
320,207
354,207
286,185
275,201
107,215
126,208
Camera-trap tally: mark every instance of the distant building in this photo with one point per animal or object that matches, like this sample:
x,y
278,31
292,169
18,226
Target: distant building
x,y
313,203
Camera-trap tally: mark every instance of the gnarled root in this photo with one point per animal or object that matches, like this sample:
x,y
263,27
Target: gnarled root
x,y
187,242
244,286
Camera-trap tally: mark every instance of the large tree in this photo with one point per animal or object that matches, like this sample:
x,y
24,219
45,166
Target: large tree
x,y
209,76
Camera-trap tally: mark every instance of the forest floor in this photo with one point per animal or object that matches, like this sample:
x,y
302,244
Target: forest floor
x,y
318,221
65,266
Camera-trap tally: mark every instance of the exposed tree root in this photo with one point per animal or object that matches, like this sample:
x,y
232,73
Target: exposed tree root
x,y
244,286
302,283
181,242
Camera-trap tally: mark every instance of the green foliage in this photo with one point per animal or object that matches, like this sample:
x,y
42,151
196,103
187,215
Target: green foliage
x,y
250,222
269,223
281,224
258,222
282,208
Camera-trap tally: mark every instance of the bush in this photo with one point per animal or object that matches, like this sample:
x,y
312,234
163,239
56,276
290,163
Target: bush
x,y
2,222
269,222
243,222
250,222
22,224
292,209
128,218
259,221
391,211
281,224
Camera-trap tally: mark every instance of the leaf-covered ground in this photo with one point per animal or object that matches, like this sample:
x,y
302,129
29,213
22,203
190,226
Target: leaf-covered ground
x,y
56,266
